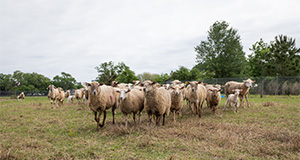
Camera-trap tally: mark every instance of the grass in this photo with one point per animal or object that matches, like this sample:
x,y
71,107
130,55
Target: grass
x,y
32,129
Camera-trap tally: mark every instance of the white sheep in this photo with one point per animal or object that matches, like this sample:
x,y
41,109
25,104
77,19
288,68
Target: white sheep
x,y
233,100
21,96
131,101
245,86
71,99
176,100
157,102
196,94
213,97
101,98
53,93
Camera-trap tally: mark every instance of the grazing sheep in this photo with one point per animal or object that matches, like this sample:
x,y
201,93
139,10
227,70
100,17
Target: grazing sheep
x,y
157,102
176,100
53,93
213,97
60,96
245,86
131,101
101,98
233,100
21,96
196,95
70,99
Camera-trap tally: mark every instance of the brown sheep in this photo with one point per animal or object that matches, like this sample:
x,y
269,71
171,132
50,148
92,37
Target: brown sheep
x,y
176,100
60,96
157,102
196,94
53,93
101,98
245,86
213,97
21,96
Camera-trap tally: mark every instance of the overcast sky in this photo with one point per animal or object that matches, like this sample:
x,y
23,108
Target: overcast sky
x,y
157,36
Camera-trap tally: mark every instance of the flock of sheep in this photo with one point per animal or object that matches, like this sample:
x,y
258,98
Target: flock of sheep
x,y
157,100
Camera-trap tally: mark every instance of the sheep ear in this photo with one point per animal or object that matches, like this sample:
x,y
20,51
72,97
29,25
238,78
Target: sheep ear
x,y
87,84
204,84
118,91
210,90
199,82
153,83
100,84
182,87
220,90
128,90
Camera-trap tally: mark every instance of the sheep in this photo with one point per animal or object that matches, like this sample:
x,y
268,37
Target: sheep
x,y
218,86
70,99
53,93
176,100
157,102
79,94
233,100
196,94
60,96
21,96
245,86
213,97
131,101
67,94
101,98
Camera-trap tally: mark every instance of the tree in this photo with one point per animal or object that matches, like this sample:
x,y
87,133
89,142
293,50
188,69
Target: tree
x,y
109,72
222,54
284,57
258,59
184,74
65,81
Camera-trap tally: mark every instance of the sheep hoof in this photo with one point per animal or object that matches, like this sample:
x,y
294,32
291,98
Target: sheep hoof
x,y
101,125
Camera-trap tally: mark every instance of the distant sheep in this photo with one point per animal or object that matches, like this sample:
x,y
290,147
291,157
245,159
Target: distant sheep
x,y
68,93
233,100
157,102
196,94
21,96
60,96
53,93
101,98
70,99
245,86
131,101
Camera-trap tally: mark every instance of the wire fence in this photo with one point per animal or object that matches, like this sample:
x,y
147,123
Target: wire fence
x,y
278,85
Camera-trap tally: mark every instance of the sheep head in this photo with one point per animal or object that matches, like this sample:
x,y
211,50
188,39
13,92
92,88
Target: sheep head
x,y
93,87
248,83
215,91
123,93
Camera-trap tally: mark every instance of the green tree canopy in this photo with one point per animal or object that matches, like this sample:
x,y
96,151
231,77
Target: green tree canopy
x,y
65,81
222,54
184,74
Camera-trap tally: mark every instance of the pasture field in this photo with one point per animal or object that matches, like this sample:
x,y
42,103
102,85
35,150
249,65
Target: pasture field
x,y
269,129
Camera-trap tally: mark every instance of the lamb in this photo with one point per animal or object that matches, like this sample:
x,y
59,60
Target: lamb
x,y
157,102
233,100
70,99
213,97
101,98
196,94
53,93
176,100
245,86
21,96
131,101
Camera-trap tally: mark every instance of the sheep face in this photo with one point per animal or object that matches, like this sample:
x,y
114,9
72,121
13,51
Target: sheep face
x,y
149,86
93,87
194,85
215,91
123,93
177,90
237,91
51,87
248,83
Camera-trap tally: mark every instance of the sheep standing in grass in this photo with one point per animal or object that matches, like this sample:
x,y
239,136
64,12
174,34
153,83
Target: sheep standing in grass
x,y
176,100
233,100
101,98
70,99
196,95
131,101
60,96
245,86
68,93
21,96
213,97
157,102
53,93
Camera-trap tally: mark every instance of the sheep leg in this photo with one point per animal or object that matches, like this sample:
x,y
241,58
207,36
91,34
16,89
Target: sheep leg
x,y
225,105
104,117
150,119
246,97
97,120
193,108
139,117
174,116
113,114
200,109
134,118
214,109
158,120
164,118
242,101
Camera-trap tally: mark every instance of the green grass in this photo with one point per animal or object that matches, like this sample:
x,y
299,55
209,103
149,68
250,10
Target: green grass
x,y
32,129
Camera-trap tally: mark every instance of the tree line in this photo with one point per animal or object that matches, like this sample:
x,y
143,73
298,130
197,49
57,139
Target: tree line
x,y
221,55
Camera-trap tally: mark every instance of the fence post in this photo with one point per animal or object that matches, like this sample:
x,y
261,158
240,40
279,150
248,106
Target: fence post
x,y
262,87
216,80
276,85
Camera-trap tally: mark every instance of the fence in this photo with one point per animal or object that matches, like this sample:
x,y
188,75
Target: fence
x,y
279,85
